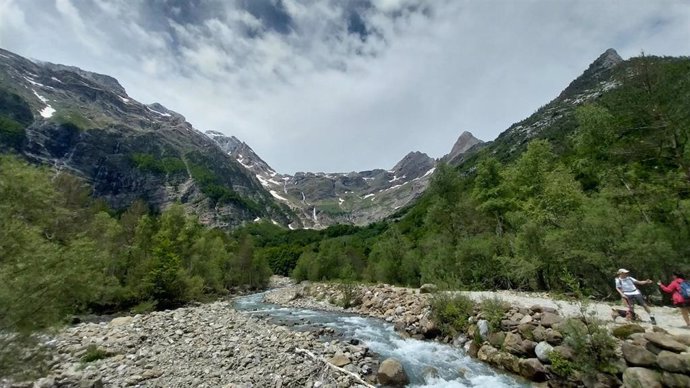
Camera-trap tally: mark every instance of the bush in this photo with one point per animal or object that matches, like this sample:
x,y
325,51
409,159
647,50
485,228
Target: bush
x,y
94,353
351,296
493,310
560,365
450,313
594,348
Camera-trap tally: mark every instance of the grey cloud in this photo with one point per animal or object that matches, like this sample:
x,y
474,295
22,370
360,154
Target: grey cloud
x,y
330,85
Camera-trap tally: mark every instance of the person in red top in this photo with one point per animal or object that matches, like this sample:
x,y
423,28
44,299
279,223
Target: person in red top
x,y
673,288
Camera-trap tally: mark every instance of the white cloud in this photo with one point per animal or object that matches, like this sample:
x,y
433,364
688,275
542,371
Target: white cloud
x,y
319,98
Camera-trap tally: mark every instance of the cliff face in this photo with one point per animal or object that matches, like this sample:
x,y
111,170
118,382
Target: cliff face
x,y
85,123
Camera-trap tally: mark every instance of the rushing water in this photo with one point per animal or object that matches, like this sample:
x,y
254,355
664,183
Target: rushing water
x,y
428,364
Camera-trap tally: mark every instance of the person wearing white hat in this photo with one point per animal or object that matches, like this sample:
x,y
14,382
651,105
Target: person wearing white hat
x,y
627,287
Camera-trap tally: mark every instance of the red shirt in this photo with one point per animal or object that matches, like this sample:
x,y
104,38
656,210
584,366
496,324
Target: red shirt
x,y
674,289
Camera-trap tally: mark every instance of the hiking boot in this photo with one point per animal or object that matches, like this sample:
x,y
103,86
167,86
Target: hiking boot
x,y
653,320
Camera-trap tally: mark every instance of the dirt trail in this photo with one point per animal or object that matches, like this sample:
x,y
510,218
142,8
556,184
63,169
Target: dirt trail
x,y
667,318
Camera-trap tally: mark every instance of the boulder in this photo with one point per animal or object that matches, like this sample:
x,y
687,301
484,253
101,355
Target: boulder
x,y
637,355
526,330
508,324
513,344
428,288
542,351
675,380
565,351
637,377
472,348
120,321
506,361
683,338
550,319
496,339
673,362
554,337
483,327
486,353
528,347
539,334
532,369
339,360
526,319
625,331
391,373
665,341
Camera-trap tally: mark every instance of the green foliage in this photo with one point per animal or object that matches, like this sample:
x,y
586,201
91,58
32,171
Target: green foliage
x,y
625,331
94,353
12,133
165,165
560,365
593,347
350,295
451,313
493,310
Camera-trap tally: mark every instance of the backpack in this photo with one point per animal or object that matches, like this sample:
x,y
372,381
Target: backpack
x,y
685,289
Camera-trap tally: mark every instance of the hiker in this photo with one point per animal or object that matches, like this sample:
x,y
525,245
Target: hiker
x,y
679,294
627,287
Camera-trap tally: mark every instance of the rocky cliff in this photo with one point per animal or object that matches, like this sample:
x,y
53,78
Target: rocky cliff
x,y
85,124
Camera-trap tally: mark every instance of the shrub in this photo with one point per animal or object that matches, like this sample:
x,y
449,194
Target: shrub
x,y
560,365
594,348
144,307
493,310
351,296
450,313
94,353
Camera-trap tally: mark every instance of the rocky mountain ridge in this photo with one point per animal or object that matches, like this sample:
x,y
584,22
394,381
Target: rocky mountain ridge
x,y
86,124
359,198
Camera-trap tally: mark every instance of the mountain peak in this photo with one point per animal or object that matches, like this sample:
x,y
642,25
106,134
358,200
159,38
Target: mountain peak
x,y
607,60
462,145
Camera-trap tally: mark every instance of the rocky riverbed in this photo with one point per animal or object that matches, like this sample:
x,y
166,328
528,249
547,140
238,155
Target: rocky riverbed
x,y
210,345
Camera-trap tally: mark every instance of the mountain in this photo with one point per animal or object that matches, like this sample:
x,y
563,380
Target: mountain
x,y
323,199
464,144
85,124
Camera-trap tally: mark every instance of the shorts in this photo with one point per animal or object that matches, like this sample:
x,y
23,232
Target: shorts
x,y
637,298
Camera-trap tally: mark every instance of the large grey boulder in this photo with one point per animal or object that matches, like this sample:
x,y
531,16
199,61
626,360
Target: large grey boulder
x,y
483,327
665,341
673,362
641,378
391,373
542,350
637,355
428,288
675,380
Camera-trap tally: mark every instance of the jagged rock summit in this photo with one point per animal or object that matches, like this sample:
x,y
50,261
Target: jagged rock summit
x,y
464,143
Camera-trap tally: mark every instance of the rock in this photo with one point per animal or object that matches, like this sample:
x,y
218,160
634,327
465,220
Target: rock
x,y
637,377
460,340
339,360
532,369
506,361
528,347
672,362
539,334
526,319
513,344
665,341
392,373
45,382
675,380
486,353
553,337
625,331
496,339
428,288
683,338
517,317
526,330
549,319
601,380
508,325
637,355
472,348
483,327
542,351
121,321
536,308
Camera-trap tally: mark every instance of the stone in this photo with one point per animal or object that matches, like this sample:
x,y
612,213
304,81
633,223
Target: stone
x,y
625,331
675,380
391,373
549,319
517,317
472,348
506,361
553,337
672,362
526,330
539,334
532,369
683,338
637,355
637,377
536,308
496,339
508,324
483,327
45,382
565,351
513,344
665,341
526,319
339,360
542,351
121,321
486,353
428,288
528,347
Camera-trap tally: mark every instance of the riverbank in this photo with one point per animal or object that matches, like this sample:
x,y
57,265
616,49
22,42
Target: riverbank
x,y
519,332
210,345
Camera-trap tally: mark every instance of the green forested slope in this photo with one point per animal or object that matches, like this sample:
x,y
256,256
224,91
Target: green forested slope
x,y
604,185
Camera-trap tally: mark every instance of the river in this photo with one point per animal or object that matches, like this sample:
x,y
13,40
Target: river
x,y
428,364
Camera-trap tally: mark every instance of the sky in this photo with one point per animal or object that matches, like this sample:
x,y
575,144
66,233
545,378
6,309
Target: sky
x,y
338,85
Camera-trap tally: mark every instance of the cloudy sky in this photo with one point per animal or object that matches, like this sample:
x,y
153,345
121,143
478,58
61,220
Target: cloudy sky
x,y
337,85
